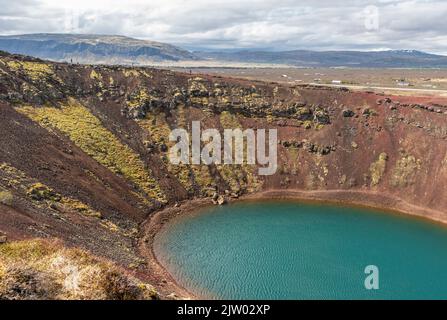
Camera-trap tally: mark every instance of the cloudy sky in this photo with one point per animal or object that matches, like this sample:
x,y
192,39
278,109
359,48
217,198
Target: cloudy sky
x,y
259,24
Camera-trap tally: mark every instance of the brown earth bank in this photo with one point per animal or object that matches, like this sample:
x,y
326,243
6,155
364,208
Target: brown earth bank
x,y
84,151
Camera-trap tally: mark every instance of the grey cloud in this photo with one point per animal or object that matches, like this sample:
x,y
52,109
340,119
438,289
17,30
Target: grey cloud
x,y
275,24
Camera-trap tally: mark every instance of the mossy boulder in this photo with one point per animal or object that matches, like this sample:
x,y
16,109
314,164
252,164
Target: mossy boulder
x,y
41,192
321,117
303,114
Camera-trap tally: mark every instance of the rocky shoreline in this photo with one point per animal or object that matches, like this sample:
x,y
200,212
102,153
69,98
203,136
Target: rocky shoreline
x,y
163,279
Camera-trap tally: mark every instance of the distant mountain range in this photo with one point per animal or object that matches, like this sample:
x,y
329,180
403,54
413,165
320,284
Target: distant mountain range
x,y
306,58
106,49
93,48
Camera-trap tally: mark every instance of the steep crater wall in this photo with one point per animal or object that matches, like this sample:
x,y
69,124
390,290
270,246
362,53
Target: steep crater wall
x,y
85,148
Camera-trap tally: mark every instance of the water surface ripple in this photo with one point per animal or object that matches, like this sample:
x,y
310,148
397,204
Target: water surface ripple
x,y
290,250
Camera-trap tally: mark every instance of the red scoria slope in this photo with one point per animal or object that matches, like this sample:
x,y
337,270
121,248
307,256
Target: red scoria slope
x,y
84,149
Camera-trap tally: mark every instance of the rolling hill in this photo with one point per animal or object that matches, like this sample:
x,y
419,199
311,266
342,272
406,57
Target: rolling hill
x,y
93,48
121,50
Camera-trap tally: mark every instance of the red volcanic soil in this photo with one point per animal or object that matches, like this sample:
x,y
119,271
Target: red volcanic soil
x,y
334,144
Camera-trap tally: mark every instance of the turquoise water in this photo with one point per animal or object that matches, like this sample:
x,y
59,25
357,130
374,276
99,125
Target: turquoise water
x,y
288,250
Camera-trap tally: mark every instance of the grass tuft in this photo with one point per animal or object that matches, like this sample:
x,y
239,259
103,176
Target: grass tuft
x,y
39,269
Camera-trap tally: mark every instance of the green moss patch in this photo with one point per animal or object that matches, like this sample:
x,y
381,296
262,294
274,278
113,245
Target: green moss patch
x,y
377,169
87,132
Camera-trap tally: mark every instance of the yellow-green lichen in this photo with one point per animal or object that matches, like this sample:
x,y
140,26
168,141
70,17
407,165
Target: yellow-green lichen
x,y
197,86
145,73
87,132
311,181
404,173
130,73
307,124
6,197
95,75
200,173
158,129
35,70
80,207
238,177
203,178
229,121
138,98
11,176
41,194
377,169
233,176
110,225
188,175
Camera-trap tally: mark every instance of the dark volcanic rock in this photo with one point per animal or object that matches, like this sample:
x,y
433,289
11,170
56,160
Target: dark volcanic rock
x,y
348,113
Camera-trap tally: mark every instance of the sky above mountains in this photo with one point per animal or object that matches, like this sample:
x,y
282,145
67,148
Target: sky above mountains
x,y
253,24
